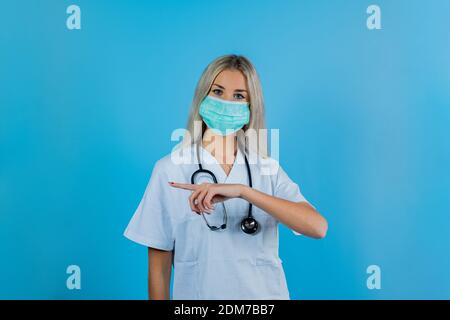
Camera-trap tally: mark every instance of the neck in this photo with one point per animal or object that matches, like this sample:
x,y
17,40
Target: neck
x,y
223,148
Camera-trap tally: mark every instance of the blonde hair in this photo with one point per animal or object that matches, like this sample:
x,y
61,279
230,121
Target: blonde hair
x,y
256,101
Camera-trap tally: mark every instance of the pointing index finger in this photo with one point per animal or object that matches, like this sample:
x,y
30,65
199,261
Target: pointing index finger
x,y
186,186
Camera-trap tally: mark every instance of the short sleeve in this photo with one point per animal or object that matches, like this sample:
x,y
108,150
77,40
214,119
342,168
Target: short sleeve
x,y
287,189
151,223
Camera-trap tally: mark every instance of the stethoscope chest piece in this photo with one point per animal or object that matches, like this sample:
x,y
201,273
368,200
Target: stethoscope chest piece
x,y
249,225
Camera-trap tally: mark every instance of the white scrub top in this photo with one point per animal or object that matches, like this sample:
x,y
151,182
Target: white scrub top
x,y
223,264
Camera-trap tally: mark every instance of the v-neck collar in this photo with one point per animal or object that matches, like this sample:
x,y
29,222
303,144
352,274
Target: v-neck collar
x,y
207,159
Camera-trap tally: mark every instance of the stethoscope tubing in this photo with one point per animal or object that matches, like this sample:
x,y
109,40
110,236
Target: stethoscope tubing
x,y
248,225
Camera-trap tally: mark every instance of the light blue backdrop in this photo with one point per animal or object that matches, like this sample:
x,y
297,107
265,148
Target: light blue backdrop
x,y
363,117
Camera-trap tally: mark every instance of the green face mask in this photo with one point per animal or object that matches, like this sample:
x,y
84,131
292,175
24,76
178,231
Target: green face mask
x,y
224,117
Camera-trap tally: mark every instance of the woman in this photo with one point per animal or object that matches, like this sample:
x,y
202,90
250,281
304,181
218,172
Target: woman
x,y
222,238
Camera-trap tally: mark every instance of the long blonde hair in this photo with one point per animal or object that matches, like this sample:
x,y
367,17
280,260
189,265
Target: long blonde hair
x,y
256,101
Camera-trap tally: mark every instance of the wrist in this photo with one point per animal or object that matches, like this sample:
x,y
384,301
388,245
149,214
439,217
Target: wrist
x,y
243,191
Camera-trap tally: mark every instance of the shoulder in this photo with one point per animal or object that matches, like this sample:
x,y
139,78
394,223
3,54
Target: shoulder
x,y
176,160
163,163
264,165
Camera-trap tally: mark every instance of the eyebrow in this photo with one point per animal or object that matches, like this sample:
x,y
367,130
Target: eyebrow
x,y
237,90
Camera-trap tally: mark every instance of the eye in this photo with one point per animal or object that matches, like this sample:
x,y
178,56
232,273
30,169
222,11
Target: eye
x,y
217,92
239,96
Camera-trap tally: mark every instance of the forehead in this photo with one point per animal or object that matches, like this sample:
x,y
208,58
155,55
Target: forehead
x,y
231,79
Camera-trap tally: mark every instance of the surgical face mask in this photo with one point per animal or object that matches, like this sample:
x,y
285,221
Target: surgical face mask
x,y
224,117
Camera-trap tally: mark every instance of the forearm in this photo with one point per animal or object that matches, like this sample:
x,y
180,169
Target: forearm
x,y
159,285
159,271
300,217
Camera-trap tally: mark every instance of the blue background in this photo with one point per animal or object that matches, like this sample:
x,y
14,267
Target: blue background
x,y
363,118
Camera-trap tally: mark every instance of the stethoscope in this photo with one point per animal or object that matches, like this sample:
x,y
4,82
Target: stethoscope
x,y
249,224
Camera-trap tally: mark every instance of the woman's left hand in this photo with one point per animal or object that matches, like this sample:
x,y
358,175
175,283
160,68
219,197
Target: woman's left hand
x,y
205,195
